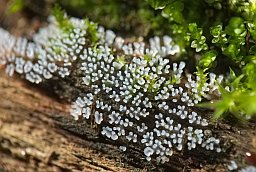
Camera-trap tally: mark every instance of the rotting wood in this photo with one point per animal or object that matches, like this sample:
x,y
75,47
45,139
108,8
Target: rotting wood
x,y
37,134
31,139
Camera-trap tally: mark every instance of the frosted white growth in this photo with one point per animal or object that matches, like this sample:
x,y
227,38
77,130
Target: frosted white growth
x,y
134,93
110,36
86,112
232,166
148,151
53,49
82,107
98,117
248,169
129,85
109,132
123,148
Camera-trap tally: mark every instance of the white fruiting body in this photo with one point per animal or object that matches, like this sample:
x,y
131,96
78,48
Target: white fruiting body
x,y
135,94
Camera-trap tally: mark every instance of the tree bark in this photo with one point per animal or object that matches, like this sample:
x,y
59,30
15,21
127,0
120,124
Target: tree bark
x,y
36,134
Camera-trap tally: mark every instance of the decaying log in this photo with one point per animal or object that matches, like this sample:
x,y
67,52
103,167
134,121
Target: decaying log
x,y
38,134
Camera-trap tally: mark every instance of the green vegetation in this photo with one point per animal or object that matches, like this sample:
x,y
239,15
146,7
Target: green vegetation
x,y
223,33
15,6
61,18
131,17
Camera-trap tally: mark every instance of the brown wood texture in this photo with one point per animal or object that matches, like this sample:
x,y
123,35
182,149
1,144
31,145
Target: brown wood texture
x,y
31,138
37,134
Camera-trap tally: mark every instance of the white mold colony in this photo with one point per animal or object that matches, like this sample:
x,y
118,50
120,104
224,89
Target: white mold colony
x,y
136,94
139,97
50,54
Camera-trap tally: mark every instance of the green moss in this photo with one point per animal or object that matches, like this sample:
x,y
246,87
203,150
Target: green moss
x,y
15,6
218,31
92,31
62,18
